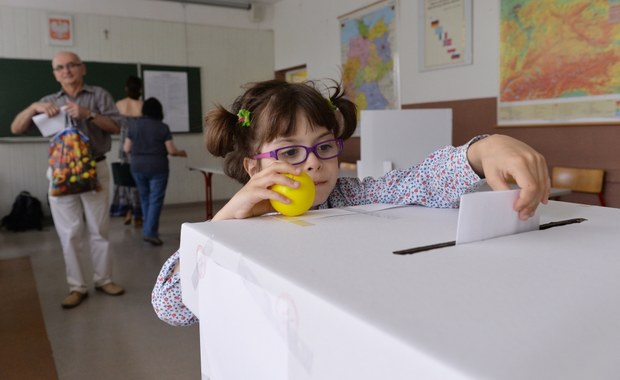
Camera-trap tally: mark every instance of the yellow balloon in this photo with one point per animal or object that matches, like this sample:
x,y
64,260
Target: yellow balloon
x,y
301,197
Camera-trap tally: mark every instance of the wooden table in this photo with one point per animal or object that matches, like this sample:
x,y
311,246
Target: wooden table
x,y
207,172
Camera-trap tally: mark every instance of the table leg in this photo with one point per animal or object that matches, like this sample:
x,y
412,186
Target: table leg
x,y
208,195
208,191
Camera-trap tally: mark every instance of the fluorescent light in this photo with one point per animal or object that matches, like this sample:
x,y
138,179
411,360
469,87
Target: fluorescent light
x,y
217,3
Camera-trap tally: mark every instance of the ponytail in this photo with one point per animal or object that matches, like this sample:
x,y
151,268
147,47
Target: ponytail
x,y
219,136
347,110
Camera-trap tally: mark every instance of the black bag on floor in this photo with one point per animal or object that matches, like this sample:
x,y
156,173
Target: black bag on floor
x,y
26,214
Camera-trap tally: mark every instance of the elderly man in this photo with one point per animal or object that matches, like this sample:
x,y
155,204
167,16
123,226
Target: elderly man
x,y
94,112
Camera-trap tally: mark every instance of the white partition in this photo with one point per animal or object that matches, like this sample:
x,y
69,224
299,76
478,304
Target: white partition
x,y
397,139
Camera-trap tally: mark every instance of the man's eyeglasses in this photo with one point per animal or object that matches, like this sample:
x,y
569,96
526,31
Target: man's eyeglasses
x,y
297,154
70,66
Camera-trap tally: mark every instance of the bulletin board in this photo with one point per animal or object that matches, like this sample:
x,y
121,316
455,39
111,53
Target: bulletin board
x,y
194,97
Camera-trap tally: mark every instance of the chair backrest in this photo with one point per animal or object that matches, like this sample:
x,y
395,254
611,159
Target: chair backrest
x,y
576,179
579,180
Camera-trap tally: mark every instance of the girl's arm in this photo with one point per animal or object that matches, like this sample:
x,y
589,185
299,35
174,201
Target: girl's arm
x,y
166,296
439,181
448,173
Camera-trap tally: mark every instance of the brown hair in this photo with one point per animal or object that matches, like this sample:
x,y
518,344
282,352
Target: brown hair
x,y
274,106
133,87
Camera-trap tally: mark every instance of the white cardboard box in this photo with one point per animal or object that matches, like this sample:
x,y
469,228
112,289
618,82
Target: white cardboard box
x,y
399,139
322,296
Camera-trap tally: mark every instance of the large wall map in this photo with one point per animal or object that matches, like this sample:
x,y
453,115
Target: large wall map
x,y
559,62
367,45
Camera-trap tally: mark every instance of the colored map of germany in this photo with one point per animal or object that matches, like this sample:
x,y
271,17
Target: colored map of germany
x,y
367,59
556,49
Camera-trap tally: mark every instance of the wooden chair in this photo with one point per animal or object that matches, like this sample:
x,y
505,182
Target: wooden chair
x,y
579,180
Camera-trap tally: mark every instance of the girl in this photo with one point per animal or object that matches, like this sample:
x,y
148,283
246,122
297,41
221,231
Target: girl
x,y
277,127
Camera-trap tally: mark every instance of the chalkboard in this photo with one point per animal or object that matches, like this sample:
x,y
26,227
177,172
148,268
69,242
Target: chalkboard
x,y
24,81
111,76
193,87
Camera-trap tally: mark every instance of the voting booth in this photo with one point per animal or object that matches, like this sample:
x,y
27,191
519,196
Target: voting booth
x,y
295,298
399,139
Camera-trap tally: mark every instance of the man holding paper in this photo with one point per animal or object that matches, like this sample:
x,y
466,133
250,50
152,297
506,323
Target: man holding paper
x,y
93,111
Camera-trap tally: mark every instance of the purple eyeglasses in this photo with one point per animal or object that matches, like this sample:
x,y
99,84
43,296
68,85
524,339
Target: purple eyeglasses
x,y
297,154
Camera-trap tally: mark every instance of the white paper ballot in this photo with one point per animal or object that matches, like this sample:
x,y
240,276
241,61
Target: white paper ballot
x,y
488,214
49,126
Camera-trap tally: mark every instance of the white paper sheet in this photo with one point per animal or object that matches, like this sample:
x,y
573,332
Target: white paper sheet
x,y
488,214
171,89
49,126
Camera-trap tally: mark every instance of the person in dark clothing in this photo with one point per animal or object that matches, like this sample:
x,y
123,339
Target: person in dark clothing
x,y
149,142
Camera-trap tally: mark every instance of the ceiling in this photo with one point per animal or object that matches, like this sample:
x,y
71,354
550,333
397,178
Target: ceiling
x,y
239,4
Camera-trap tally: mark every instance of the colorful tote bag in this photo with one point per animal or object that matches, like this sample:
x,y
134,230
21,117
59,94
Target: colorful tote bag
x,y
72,164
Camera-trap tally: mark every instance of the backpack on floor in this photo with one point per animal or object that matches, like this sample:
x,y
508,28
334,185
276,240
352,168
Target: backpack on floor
x,y
26,214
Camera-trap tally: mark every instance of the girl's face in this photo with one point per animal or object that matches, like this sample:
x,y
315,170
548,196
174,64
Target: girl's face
x,y
324,173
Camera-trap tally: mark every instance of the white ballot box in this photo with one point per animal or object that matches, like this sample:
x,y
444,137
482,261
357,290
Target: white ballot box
x,y
323,296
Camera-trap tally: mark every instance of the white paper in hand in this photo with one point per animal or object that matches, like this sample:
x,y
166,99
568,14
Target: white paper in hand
x,y
488,214
49,126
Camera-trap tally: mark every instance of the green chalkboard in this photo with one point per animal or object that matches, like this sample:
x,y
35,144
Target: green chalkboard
x,y
24,81
193,88
111,76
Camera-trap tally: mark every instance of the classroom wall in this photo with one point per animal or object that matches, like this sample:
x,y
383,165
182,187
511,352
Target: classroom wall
x,y
307,32
229,49
304,32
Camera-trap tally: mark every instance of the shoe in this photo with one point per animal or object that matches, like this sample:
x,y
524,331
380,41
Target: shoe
x,y
127,219
137,223
73,299
153,240
110,289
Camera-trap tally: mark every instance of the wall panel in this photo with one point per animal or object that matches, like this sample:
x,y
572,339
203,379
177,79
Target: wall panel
x,y
227,57
578,146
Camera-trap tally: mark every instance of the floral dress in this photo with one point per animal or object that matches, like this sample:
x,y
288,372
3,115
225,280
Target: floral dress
x,y
439,182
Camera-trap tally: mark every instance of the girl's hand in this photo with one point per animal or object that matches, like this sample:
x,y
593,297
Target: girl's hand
x,y
501,159
253,198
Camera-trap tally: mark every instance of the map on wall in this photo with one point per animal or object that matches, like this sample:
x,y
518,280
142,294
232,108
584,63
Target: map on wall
x,y
559,62
368,43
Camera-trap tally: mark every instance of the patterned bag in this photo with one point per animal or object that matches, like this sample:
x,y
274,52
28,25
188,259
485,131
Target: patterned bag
x,y
72,164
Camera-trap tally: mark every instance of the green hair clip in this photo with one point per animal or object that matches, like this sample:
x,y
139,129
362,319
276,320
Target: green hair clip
x,y
244,117
331,105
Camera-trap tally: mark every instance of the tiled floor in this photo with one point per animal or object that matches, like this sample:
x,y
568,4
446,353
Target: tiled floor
x,y
113,337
